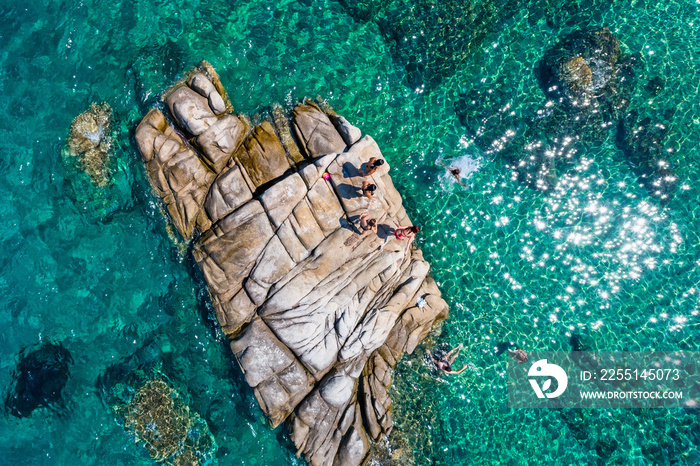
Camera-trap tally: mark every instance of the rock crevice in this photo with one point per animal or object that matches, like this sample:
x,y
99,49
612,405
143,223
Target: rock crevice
x,y
317,314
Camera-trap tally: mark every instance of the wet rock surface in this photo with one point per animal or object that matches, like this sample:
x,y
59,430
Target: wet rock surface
x,y
317,314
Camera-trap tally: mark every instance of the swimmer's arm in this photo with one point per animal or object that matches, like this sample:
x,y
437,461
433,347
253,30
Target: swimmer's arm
x,y
459,371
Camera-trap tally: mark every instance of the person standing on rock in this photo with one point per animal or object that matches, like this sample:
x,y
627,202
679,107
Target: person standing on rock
x,y
368,189
367,224
445,363
368,168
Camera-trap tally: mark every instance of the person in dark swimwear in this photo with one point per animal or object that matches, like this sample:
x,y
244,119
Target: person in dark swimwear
x,y
367,224
368,189
519,355
371,166
445,363
454,172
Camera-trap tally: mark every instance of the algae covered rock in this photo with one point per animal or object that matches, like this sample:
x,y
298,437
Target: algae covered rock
x,y
577,74
154,408
160,420
165,426
90,140
586,67
40,378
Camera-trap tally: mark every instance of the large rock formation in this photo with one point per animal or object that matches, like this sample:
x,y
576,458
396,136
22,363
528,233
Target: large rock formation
x,y
316,313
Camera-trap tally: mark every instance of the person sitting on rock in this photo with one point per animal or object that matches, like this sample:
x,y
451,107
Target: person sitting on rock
x,y
519,355
445,362
403,232
368,189
368,168
367,224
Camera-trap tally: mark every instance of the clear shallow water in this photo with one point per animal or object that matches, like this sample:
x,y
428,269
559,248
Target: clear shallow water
x,y
96,269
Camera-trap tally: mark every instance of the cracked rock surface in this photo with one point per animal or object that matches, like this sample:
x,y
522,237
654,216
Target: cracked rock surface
x,y
317,314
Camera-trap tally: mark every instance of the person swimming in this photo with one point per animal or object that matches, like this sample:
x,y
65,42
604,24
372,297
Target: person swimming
x,y
519,355
454,172
445,362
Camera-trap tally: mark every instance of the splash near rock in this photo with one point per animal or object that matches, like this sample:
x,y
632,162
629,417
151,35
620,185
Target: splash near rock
x,y
41,376
90,140
317,313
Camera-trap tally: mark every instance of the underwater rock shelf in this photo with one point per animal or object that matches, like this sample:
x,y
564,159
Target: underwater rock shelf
x,y
317,314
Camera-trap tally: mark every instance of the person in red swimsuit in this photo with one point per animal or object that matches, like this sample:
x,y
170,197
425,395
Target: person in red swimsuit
x,y
403,232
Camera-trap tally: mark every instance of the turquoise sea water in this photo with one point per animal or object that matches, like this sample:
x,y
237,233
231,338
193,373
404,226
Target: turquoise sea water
x,y
598,258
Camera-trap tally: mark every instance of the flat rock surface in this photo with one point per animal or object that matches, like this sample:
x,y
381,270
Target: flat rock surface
x,y
314,309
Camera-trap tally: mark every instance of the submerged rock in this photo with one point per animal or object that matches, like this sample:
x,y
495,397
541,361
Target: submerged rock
x,y
155,414
317,314
164,425
431,40
90,140
41,376
642,142
588,82
586,69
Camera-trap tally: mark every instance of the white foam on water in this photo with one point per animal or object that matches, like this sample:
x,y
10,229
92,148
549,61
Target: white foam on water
x,y
467,164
